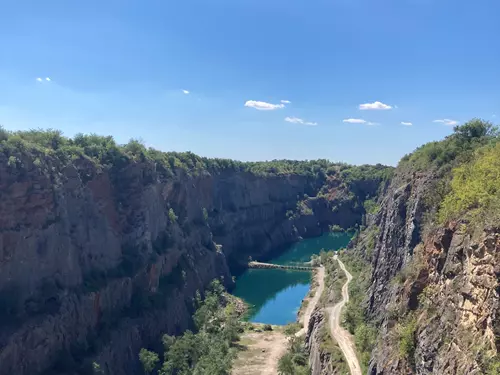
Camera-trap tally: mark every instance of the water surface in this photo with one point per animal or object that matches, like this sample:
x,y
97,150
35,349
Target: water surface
x,y
275,295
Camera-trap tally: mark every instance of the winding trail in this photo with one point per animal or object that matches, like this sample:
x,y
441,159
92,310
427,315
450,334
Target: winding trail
x,y
343,338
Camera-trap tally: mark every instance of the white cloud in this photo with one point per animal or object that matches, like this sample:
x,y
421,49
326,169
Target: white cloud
x,y
374,105
39,79
48,79
185,92
406,123
354,121
372,123
263,106
447,121
296,120
286,102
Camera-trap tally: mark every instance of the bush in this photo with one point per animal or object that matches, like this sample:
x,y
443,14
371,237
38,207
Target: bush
x,y
209,350
292,328
406,337
371,206
268,327
475,187
172,216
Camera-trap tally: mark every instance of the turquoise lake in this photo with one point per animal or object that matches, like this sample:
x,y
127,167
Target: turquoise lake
x,y
275,295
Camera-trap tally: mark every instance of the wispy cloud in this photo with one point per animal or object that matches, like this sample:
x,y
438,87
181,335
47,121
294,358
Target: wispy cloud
x,y
48,79
185,92
286,102
354,121
447,121
39,79
263,106
406,123
296,120
359,121
374,106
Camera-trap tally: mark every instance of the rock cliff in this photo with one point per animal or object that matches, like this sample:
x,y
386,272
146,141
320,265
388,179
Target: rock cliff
x,y
97,262
434,290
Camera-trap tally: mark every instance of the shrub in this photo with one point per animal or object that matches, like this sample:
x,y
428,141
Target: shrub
x,y
149,360
268,327
406,337
172,216
475,187
371,206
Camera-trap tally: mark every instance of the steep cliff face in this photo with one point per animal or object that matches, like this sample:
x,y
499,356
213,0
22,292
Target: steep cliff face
x,y
435,291
96,263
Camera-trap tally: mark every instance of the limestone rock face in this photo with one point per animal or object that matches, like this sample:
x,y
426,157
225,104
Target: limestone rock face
x,y
451,287
98,263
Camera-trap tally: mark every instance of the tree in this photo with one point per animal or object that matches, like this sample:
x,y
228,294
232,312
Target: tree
x,y
149,360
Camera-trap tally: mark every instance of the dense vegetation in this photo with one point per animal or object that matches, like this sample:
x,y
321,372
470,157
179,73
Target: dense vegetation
x,y
470,147
296,360
455,149
208,351
475,188
105,152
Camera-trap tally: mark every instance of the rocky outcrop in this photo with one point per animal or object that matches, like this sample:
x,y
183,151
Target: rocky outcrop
x,y
434,291
325,356
96,263
319,360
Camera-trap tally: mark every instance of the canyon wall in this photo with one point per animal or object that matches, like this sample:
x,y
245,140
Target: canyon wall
x,y
434,291
96,263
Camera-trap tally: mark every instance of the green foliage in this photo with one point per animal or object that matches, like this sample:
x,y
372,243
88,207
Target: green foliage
x,y
365,336
336,228
209,350
453,150
292,328
354,316
406,337
475,188
315,260
355,174
328,345
492,365
96,368
105,152
285,365
149,360
268,327
172,216
371,206
295,360
334,279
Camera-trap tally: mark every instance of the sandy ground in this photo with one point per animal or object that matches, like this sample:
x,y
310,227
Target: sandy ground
x,y
343,338
260,354
261,351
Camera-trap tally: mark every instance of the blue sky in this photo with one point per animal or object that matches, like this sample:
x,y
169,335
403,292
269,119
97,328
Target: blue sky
x,y
120,68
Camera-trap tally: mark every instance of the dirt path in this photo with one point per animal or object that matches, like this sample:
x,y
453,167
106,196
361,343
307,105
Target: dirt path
x,y
264,349
343,337
320,279
261,354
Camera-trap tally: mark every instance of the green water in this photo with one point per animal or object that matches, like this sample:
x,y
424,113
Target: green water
x,y
275,295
